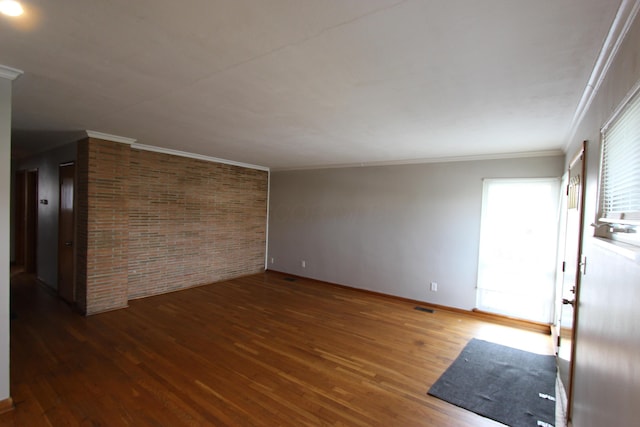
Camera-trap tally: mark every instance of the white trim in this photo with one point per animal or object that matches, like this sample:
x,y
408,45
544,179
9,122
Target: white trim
x,y
134,144
547,153
619,28
631,252
10,73
621,107
196,156
521,180
109,137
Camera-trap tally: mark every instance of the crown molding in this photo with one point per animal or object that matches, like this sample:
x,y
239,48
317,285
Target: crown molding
x,y
109,137
196,156
499,156
10,73
625,16
134,144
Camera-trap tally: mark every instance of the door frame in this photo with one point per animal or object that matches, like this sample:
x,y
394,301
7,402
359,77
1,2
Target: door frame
x,y
31,222
61,241
19,218
580,265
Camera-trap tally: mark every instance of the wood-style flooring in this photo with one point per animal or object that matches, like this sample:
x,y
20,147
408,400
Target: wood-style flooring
x,y
255,351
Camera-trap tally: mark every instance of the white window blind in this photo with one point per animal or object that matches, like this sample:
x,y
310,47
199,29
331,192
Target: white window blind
x,y
620,168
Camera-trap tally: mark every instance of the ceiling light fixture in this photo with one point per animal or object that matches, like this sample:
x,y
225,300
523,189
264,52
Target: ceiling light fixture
x,y
11,8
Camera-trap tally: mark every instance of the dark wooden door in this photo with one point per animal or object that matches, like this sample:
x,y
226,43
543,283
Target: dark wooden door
x,y
66,220
31,226
20,216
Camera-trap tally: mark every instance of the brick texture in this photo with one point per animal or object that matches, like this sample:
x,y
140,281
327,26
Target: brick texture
x,y
151,223
81,223
193,222
104,213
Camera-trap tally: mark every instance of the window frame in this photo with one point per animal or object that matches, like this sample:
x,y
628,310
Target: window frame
x,y
609,227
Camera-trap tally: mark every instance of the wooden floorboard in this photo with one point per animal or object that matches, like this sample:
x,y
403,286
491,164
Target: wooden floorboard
x,y
255,351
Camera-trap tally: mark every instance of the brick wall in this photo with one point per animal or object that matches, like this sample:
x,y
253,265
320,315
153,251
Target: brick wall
x,y
105,216
192,222
81,222
157,223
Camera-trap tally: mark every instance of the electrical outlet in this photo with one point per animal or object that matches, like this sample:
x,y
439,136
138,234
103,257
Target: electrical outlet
x,y
303,263
434,286
271,260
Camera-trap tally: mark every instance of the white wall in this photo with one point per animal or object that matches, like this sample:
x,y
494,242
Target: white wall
x,y
5,226
389,229
607,376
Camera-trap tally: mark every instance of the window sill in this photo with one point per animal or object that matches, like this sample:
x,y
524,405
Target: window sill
x,y
627,250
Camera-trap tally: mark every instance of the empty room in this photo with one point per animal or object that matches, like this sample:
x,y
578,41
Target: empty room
x,y
354,213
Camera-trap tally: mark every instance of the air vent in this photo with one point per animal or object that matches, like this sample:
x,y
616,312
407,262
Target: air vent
x,y
425,309
289,279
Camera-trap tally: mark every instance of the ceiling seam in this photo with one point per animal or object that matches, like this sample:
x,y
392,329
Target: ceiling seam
x,y
263,55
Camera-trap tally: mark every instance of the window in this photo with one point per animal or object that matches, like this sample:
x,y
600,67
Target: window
x,y
518,241
619,191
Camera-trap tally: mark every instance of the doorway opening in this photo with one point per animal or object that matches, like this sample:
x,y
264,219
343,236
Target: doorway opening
x,y
26,220
518,243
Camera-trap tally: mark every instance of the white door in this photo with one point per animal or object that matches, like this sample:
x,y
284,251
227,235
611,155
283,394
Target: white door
x,y
573,269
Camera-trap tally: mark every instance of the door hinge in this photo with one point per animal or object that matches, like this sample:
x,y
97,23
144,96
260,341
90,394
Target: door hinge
x,y
564,265
558,344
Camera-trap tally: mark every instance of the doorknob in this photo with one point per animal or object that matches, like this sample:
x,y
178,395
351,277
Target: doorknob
x,y
568,302
68,243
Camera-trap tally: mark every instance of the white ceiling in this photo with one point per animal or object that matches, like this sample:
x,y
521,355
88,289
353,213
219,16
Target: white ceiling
x,y
303,83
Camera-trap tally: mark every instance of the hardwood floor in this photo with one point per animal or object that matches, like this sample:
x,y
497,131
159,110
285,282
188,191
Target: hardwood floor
x,y
256,351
